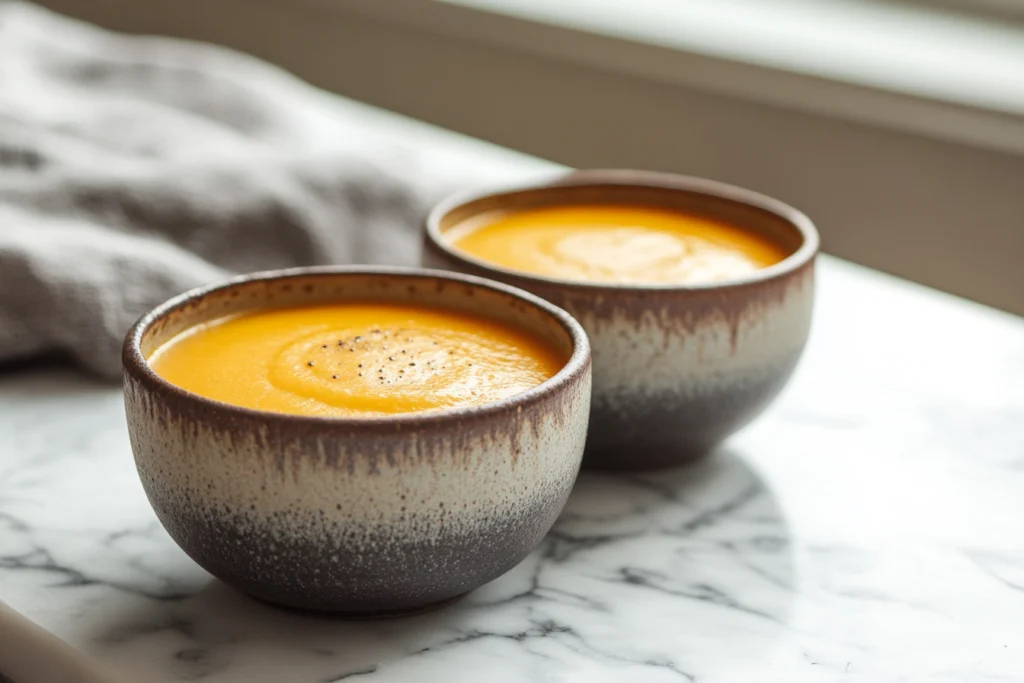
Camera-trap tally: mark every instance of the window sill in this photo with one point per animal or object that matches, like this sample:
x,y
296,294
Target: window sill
x,y
908,68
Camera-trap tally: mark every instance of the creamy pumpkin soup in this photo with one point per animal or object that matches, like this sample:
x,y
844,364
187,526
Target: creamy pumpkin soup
x,y
355,359
616,244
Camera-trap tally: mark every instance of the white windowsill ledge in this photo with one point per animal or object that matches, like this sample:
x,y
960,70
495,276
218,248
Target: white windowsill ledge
x,y
902,67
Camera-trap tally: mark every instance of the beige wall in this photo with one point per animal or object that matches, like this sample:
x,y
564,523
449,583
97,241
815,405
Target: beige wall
x,y
945,214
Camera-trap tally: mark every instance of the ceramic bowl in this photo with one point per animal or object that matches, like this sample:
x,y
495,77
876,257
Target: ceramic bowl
x,y
367,516
677,368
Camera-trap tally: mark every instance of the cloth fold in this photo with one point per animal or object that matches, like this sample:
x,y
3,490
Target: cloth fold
x,y
134,168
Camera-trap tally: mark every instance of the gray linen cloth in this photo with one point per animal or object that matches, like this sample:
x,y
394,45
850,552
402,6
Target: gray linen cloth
x,y
132,169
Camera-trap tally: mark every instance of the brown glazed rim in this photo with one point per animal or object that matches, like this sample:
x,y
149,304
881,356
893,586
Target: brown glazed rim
x,y
138,367
631,178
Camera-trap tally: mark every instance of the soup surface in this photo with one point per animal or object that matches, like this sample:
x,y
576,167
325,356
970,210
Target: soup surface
x,y
355,360
615,244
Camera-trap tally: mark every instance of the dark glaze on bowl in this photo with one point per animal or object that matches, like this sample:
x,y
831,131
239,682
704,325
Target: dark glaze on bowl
x,y
365,516
677,368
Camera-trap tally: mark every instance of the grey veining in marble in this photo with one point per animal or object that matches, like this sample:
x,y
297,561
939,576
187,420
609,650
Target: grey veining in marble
x,y
869,528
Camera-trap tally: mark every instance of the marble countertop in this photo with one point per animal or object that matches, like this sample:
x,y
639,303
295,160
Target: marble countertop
x,y
869,527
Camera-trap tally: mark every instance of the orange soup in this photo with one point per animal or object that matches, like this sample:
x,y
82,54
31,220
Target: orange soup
x,y
355,359
615,244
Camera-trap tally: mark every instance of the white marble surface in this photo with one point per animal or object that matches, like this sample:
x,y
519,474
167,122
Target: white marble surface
x,y
870,527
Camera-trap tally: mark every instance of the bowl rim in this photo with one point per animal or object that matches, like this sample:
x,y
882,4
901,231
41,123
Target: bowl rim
x,y
135,364
630,178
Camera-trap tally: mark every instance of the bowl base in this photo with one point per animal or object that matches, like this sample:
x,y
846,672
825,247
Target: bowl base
x,y
361,615
604,460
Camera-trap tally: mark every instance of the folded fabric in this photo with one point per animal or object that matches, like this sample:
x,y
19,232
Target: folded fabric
x,y
134,168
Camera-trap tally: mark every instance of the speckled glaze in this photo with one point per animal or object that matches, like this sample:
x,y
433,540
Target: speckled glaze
x,y
361,516
676,368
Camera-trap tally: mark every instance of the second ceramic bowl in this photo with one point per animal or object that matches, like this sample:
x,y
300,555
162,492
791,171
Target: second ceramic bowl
x,y
365,516
677,368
